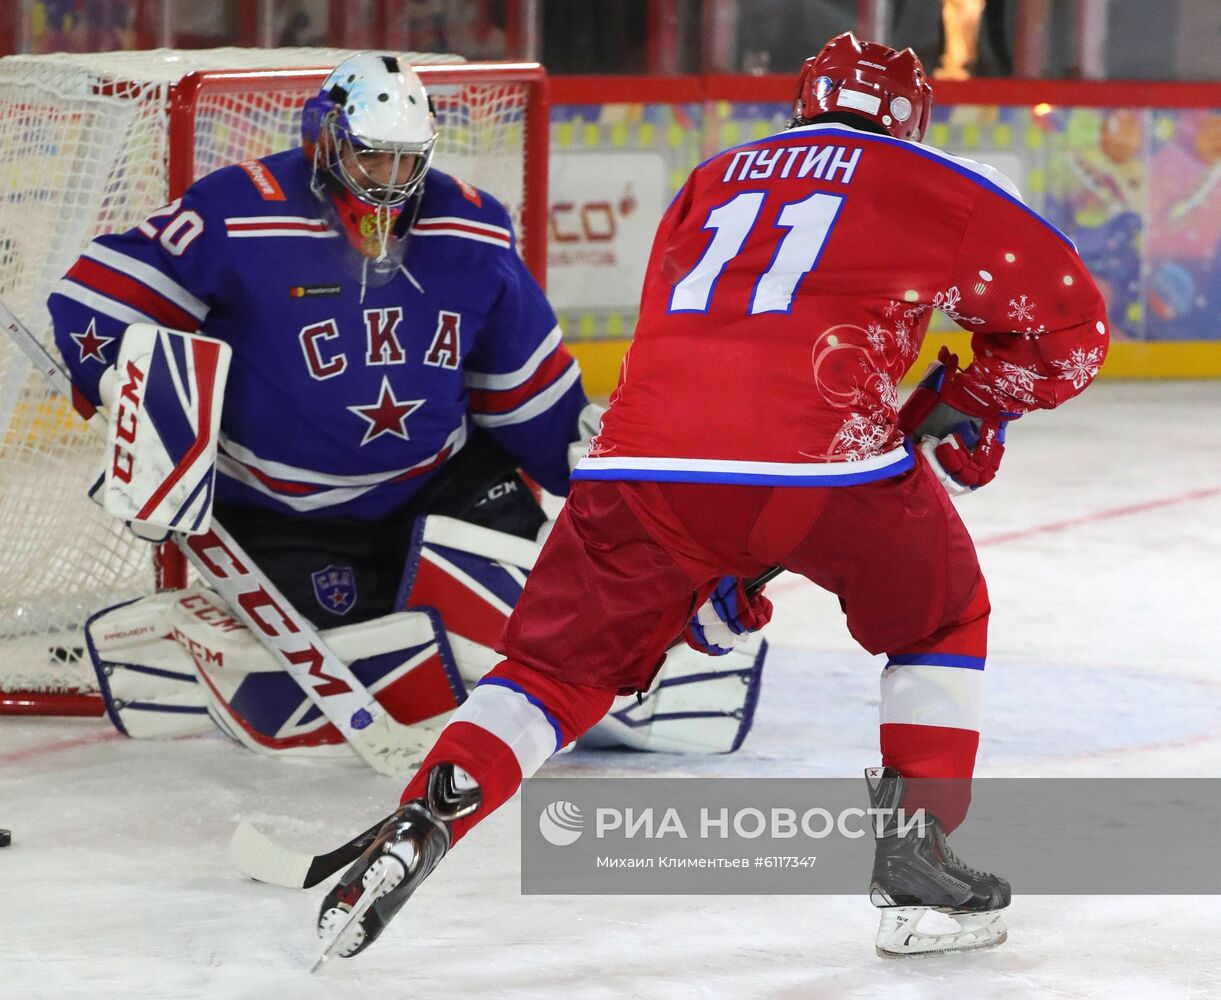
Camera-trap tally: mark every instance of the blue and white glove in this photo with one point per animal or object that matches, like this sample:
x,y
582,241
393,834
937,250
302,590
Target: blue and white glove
x,y
727,618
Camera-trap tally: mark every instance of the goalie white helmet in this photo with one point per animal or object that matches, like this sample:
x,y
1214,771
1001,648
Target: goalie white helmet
x,y
369,134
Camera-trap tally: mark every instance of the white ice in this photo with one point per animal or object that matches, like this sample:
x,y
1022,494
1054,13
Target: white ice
x,y
1104,661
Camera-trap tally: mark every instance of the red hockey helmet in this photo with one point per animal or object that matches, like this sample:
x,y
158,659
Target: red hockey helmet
x,y
867,79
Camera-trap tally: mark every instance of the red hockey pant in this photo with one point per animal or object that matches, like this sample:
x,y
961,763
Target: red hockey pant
x,y
627,563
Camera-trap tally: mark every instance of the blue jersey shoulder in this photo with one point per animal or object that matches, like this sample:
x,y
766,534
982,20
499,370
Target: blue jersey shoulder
x,y
273,185
446,196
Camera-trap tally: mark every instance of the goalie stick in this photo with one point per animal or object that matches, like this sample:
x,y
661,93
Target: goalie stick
x,y
388,746
259,857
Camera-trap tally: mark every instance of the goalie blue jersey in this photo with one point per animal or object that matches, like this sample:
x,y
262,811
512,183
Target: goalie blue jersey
x,y
340,400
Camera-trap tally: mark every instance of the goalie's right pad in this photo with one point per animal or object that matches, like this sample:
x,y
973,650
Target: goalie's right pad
x,y
403,659
164,420
165,663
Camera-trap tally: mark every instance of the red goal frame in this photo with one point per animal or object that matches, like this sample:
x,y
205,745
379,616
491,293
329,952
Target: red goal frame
x,y
183,100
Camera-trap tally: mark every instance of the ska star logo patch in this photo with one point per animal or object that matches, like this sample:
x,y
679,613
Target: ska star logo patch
x,y
335,588
91,344
387,416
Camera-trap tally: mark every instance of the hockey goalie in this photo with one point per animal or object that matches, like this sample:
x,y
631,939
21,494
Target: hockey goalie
x,y
336,353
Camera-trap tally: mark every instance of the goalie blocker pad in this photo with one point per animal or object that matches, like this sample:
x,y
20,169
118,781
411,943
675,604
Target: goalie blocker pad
x,y
168,388
167,663
473,577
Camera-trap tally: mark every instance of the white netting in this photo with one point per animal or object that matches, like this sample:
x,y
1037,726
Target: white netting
x,y
85,148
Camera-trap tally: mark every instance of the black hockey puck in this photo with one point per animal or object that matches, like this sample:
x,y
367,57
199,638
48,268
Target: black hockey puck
x,y
6,838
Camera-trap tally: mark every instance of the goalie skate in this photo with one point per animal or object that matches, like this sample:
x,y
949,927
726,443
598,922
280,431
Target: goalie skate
x,y
409,845
915,874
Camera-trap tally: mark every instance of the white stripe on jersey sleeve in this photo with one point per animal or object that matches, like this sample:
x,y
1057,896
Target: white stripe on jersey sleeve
x,y
496,241
146,274
533,406
271,225
511,380
238,234
487,228
267,220
101,303
984,170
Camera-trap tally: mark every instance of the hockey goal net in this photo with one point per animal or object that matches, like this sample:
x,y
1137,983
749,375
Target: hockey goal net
x,y
92,144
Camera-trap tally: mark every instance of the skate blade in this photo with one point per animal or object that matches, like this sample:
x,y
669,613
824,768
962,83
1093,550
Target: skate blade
x,y
898,936
370,896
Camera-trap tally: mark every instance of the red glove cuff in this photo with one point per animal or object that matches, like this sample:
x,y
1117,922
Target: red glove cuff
x,y
977,466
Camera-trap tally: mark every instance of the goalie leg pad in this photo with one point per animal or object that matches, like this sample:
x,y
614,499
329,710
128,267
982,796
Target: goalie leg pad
x,y
403,659
472,577
146,677
696,704
160,658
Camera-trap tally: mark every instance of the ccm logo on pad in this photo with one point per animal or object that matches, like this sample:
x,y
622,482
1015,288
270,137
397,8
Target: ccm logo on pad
x,y
125,423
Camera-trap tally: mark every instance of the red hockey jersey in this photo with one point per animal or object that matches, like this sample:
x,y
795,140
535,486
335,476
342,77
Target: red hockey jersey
x,y
789,289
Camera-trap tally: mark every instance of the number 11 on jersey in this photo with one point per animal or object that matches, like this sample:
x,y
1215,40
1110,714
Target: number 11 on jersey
x,y
809,222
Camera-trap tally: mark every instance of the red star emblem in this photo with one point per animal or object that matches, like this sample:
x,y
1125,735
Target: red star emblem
x,y
90,343
388,415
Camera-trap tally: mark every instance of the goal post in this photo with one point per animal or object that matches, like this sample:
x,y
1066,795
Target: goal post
x,y
92,143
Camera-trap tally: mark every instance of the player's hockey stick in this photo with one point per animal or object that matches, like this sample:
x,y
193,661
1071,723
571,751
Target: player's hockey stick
x,y
256,855
387,745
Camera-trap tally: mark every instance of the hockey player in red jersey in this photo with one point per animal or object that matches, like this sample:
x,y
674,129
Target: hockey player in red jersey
x,y
757,423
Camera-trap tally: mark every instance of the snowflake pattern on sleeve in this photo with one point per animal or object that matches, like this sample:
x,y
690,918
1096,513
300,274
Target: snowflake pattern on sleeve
x,y
1080,367
887,392
876,335
948,302
903,340
1021,310
1004,383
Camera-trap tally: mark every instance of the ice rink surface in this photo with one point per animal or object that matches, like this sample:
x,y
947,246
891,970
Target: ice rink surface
x,y
1101,542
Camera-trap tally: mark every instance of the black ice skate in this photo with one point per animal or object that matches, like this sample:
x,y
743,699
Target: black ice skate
x,y
404,853
916,872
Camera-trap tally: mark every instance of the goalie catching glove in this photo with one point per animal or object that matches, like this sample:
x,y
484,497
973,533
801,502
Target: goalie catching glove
x,y
962,439
727,618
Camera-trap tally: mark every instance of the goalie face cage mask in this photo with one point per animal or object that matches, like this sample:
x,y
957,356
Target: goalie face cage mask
x,y
369,134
